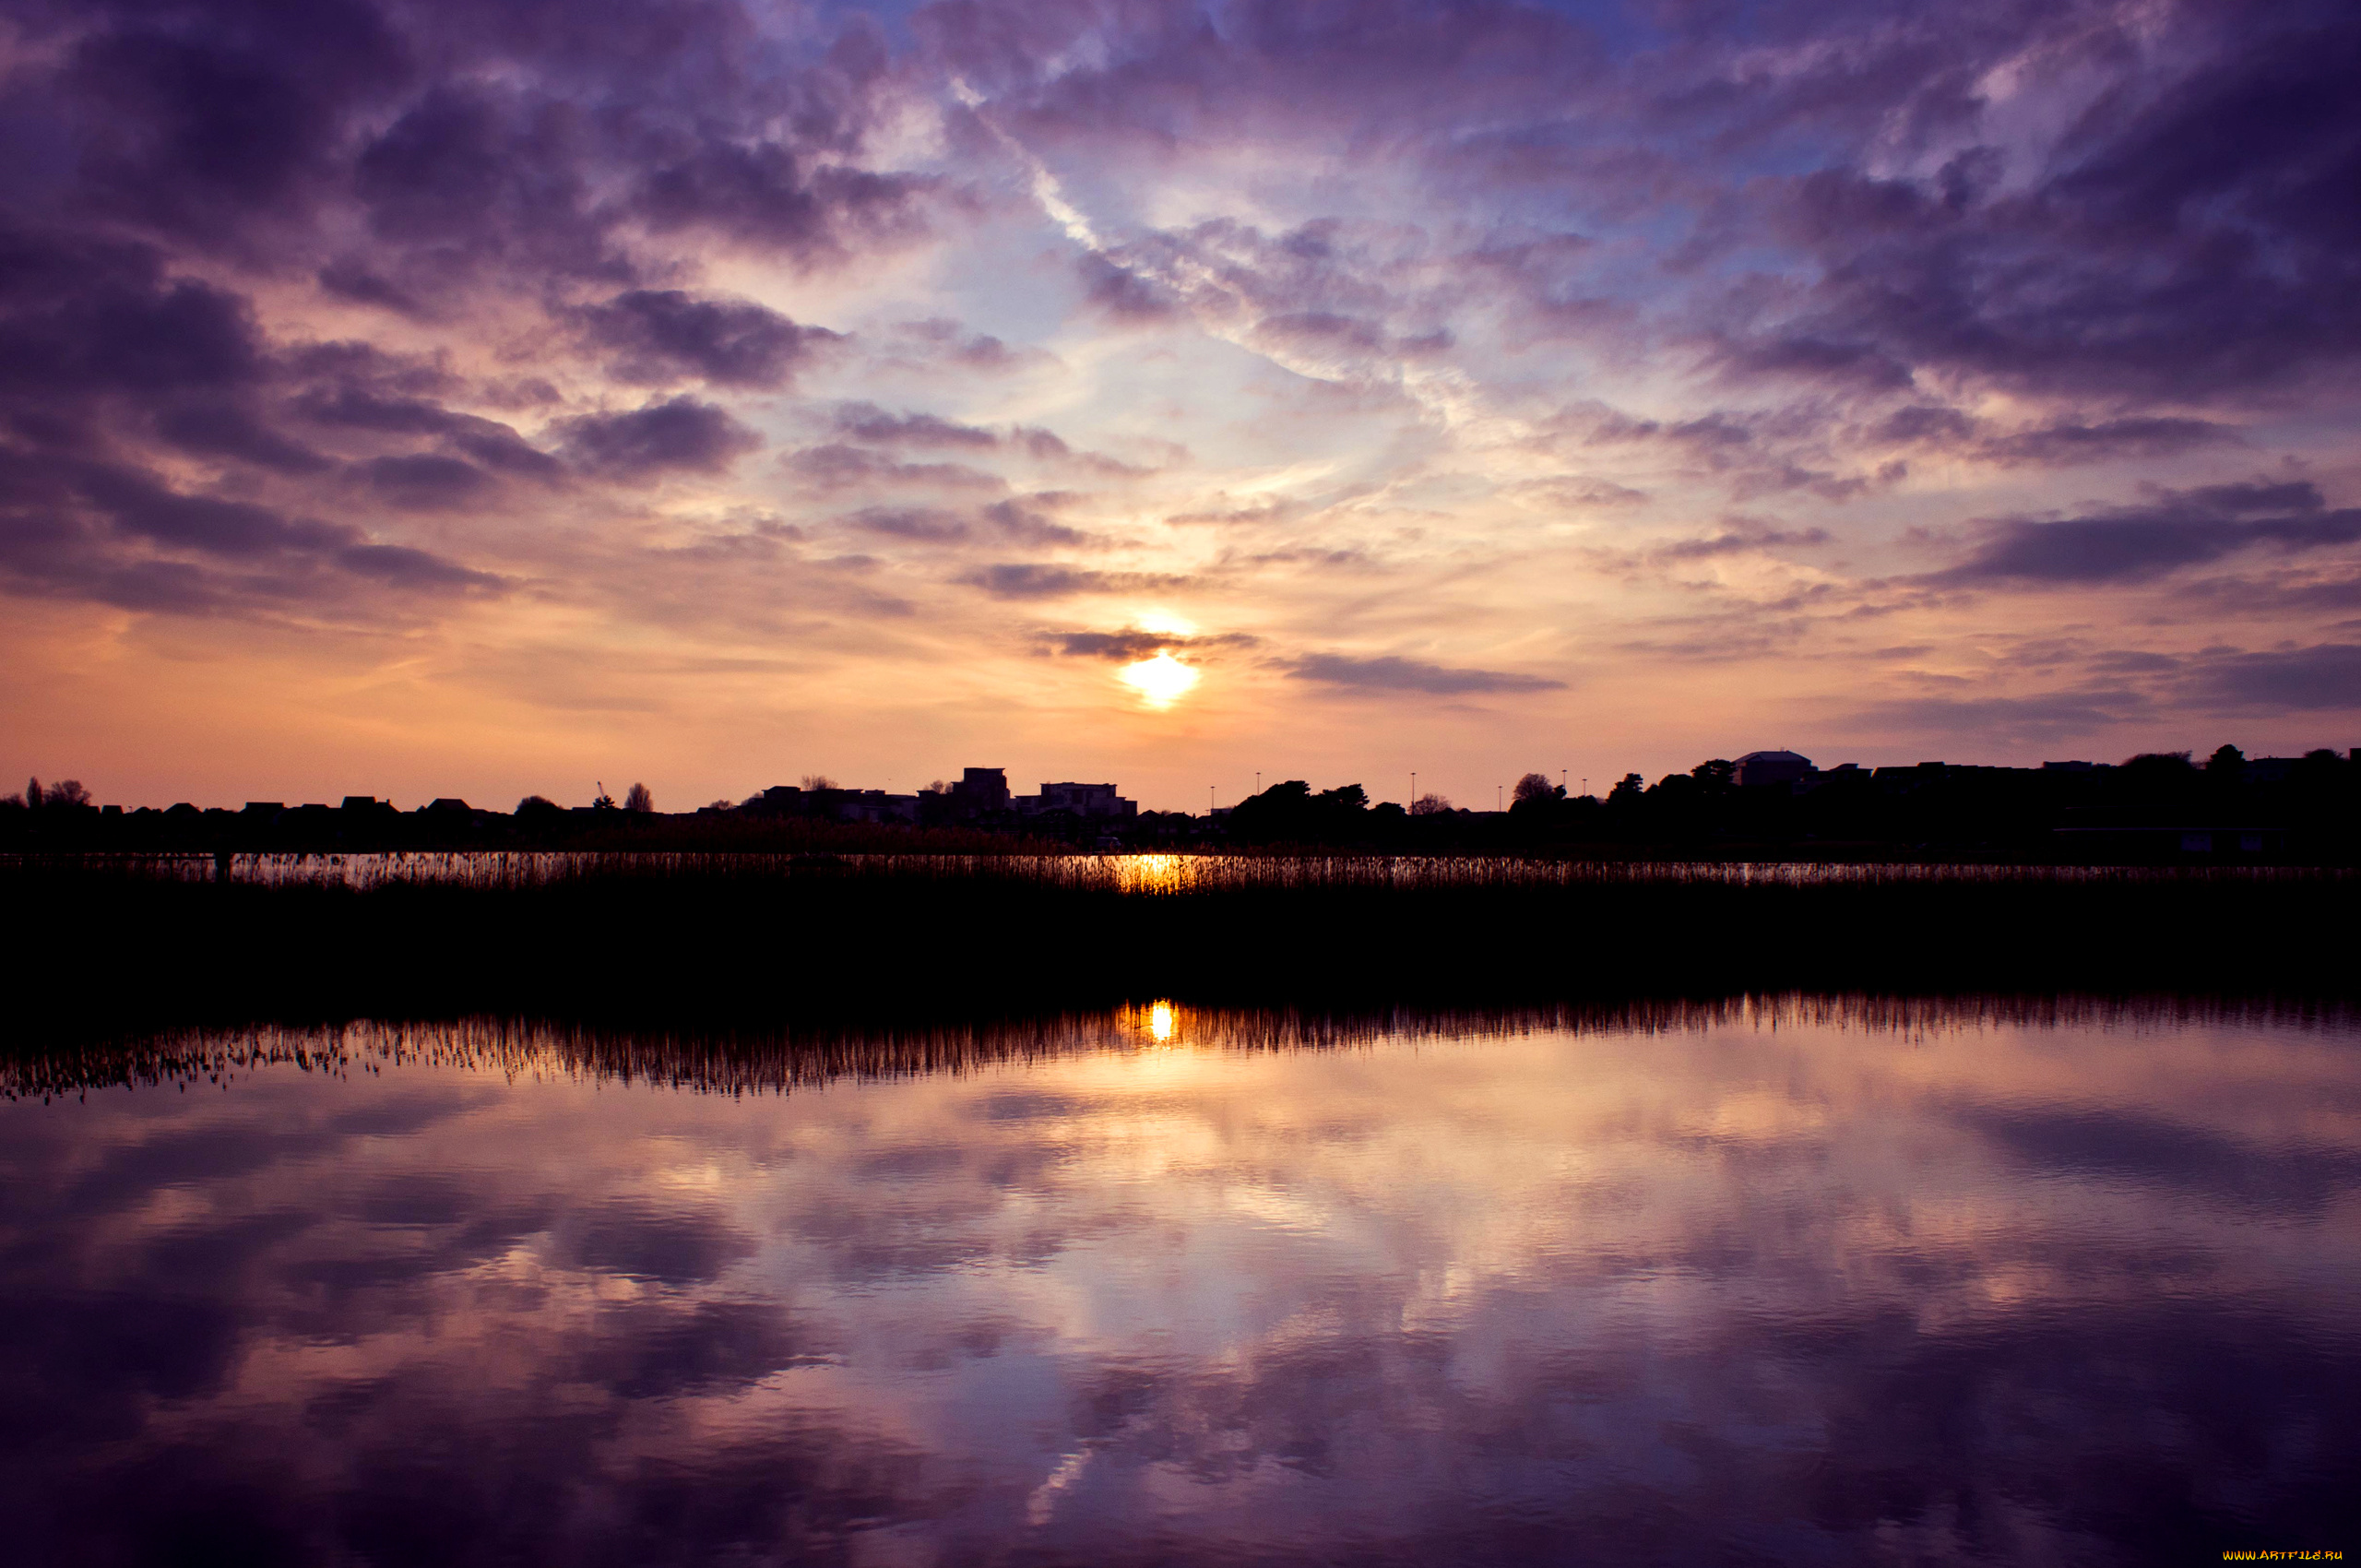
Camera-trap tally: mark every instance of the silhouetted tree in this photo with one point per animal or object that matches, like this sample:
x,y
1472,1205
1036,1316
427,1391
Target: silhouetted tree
x,y
2227,762
2156,778
817,781
70,792
1430,804
32,793
1537,789
1627,791
1716,777
637,799
1290,811
602,801
539,807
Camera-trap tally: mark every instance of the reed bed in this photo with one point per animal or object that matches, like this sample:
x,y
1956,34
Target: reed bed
x,y
781,1061
1133,873
108,942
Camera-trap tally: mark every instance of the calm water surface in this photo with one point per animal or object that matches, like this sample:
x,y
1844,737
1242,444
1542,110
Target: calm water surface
x,y
1781,1283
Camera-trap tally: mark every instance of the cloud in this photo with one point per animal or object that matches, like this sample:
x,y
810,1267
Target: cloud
x,y
1028,525
909,522
1034,580
425,482
1744,537
868,422
2325,677
1390,674
2137,544
835,466
405,567
1134,644
2067,442
661,335
681,434
2038,717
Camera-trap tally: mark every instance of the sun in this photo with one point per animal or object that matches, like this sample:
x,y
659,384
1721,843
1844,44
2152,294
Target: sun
x,y
1163,679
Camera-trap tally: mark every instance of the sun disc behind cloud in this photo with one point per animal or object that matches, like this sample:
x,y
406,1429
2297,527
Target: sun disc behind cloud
x,y
1163,679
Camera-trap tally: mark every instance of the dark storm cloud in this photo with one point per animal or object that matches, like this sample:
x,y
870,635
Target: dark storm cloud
x,y
2179,529
681,434
1392,674
662,334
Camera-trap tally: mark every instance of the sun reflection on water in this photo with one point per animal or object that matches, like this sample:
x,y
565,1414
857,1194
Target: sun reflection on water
x,y
1157,1023
1149,873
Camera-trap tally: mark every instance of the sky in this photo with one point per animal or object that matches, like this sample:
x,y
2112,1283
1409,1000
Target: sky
x,y
421,397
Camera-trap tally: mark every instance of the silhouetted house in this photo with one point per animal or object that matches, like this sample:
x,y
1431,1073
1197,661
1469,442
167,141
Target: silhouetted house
x,y
448,804
263,811
981,791
1772,767
877,805
1082,800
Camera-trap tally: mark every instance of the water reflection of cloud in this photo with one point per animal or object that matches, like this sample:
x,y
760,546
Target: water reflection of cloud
x,y
1822,1284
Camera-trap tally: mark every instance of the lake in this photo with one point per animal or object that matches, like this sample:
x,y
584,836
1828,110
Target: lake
x,y
1786,1280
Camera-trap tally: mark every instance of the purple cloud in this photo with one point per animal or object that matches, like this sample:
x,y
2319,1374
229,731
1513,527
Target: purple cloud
x,y
680,434
1388,673
662,334
2183,529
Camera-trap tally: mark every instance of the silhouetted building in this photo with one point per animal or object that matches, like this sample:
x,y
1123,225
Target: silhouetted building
x,y
980,789
1082,800
877,805
1772,767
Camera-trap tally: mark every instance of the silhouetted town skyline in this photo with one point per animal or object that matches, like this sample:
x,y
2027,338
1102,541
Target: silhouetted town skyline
x,y
2226,807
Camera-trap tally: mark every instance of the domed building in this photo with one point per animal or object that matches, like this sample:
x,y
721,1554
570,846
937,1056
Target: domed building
x,y
1772,768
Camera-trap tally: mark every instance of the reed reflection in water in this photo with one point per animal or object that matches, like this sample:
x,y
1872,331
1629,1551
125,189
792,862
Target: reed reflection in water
x,y
1772,1281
